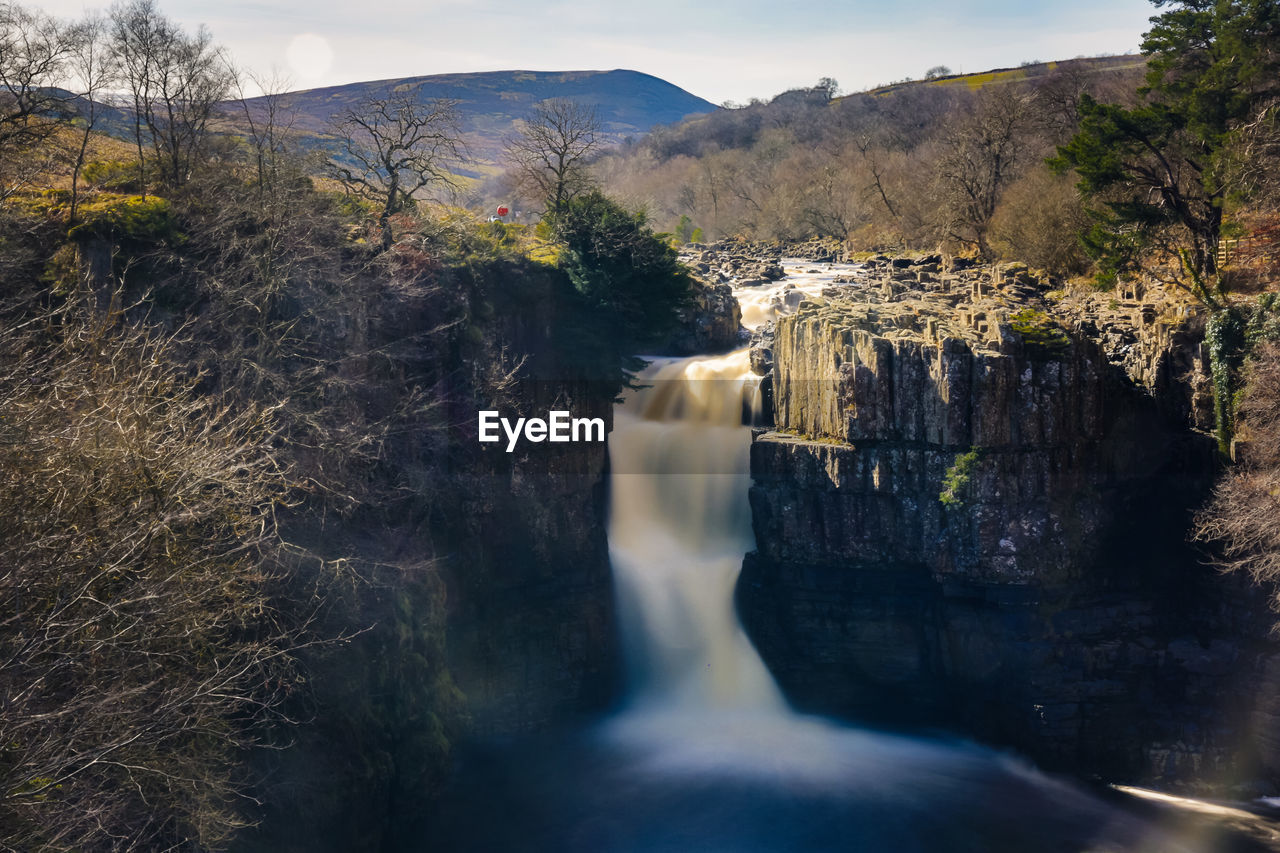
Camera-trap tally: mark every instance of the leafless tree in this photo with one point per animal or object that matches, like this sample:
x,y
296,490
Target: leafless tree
x,y
551,151
176,82
833,185
34,50
394,147
982,154
140,652
270,119
92,65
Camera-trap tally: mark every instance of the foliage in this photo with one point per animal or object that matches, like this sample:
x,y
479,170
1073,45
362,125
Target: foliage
x,y
1231,336
628,280
111,175
684,230
1224,340
956,482
125,217
886,169
1242,514
114,217
1156,170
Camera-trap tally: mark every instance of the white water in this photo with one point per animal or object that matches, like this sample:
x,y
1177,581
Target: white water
x,y
707,756
703,707
680,524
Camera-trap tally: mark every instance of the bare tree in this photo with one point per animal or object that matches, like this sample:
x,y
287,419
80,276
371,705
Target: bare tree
x,y
982,154
176,82
394,147
551,151
832,187
270,119
92,65
140,652
34,50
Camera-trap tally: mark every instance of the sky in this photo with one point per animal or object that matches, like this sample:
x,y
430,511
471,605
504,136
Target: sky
x,y
720,50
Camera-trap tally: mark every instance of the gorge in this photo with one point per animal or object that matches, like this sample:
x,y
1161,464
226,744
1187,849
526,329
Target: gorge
x,y
1020,616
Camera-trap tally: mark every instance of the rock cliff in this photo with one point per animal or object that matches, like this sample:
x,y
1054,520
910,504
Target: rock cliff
x,y
532,639
711,323
969,515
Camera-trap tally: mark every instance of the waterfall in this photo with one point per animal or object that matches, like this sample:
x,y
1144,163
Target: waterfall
x,y
680,523
706,755
679,527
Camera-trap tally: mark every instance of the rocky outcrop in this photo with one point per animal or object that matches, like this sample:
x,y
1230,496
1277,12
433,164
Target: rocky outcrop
x,y
532,636
1157,341
532,633
712,323
747,263
969,516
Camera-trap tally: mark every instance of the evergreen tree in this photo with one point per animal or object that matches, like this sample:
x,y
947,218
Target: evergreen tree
x,y
1156,171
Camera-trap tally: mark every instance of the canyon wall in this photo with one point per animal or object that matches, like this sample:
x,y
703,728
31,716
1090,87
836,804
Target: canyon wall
x,y
973,514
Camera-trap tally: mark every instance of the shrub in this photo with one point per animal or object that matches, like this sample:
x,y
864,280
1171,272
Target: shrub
x,y
628,280
137,631
1037,223
1246,503
956,482
125,217
119,176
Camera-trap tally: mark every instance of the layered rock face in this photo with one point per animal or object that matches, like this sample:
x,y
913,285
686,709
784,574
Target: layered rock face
x,y
968,516
533,639
532,635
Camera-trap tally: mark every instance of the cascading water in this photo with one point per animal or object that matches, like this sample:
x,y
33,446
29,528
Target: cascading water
x,y
679,526
706,755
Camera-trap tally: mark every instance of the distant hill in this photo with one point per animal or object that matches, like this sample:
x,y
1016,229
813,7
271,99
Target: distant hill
x,y
629,103
1023,73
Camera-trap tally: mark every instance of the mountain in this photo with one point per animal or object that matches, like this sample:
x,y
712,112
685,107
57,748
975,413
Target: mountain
x,y
490,103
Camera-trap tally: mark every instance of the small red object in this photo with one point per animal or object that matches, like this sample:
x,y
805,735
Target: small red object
x,y
503,211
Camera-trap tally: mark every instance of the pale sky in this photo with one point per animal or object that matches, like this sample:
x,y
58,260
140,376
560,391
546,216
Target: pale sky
x,y
717,49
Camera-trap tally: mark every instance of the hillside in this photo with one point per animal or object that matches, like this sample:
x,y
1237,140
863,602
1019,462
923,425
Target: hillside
x,y
1022,74
490,103
953,160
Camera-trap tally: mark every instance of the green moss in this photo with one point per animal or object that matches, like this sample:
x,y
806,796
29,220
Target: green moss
x,y
1224,337
125,217
1041,336
1231,334
119,176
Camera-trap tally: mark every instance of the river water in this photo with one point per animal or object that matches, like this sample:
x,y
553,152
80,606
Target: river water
x,y
705,754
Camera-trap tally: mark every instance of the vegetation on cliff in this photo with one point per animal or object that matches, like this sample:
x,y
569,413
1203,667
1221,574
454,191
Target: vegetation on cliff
x,y
1246,505
235,415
